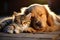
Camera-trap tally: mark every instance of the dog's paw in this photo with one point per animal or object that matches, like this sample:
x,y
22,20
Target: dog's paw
x,y
30,30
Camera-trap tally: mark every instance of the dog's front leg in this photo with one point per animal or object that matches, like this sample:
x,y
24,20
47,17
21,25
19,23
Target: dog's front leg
x,y
30,30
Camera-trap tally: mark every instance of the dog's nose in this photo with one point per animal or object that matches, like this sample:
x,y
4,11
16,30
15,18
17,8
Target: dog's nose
x,y
38,24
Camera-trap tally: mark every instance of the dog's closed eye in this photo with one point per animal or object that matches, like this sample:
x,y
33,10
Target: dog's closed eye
x,y
40,14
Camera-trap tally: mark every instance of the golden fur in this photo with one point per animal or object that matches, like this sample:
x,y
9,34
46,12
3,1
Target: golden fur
x,y
45,17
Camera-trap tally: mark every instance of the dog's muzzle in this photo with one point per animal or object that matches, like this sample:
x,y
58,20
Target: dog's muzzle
x,y
38,25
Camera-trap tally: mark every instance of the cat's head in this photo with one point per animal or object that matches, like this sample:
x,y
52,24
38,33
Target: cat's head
x,y
21,17
22,20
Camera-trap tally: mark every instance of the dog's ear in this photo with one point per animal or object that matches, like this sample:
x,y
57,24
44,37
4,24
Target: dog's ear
x,y
50,20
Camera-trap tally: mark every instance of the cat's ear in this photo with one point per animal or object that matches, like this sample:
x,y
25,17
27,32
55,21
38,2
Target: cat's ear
x,y
15,13
28,16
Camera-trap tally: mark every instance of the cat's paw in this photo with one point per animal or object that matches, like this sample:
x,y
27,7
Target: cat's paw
x,y
9,29
17,30
13,28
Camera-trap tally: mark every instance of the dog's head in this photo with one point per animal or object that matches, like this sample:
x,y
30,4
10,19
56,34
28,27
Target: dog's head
x,y
40,17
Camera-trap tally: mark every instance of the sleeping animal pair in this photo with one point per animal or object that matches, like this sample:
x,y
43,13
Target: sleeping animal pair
x,y
34,18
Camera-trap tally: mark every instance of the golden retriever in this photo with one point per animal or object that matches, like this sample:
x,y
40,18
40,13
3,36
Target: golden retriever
x,y
42,18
